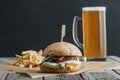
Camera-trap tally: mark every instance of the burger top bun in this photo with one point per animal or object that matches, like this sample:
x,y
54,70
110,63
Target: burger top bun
x,y
62,49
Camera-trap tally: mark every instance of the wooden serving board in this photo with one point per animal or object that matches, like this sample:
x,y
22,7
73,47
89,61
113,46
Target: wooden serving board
x,y
85,68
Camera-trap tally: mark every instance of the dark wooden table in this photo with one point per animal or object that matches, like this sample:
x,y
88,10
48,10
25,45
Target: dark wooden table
x,y
111,74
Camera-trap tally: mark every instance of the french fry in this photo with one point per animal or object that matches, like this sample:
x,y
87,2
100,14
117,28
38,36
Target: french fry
x,y
28,59
21,65
18,56
30,66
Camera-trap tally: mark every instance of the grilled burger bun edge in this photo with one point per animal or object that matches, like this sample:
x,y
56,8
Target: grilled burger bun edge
x,y
61,49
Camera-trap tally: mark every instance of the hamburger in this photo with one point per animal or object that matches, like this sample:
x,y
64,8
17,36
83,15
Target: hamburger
x,y
61,57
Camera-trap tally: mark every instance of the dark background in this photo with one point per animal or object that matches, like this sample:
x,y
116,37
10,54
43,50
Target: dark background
x,y
34,24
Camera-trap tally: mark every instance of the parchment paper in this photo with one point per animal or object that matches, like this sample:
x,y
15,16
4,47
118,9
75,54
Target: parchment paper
x,y
85,67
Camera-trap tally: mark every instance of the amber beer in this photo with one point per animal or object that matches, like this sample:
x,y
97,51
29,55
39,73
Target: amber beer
x,y
94,32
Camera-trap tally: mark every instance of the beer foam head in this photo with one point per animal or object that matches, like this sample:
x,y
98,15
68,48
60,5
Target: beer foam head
x,y
94,8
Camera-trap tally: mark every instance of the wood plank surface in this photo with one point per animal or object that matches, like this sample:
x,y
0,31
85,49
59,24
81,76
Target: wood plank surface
x,y
71,77
3,76
26,77
117,71
6,59
107,75
113,74
95,76
12,76
115,58
52,78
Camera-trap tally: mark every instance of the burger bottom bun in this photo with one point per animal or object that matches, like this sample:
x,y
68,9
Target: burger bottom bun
x,y
59,70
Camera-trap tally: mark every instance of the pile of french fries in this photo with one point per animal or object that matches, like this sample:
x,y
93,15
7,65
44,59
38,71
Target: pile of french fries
x,y
28,58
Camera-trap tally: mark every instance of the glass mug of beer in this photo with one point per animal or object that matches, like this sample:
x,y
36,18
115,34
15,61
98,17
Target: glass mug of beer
x,y
94,33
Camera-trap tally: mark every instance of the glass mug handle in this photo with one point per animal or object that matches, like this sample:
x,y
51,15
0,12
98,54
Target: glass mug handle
x,y
74,32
